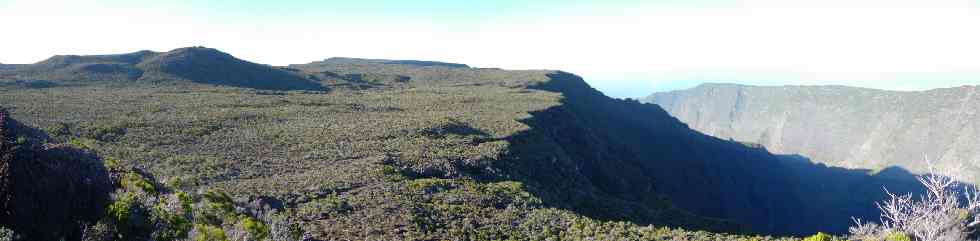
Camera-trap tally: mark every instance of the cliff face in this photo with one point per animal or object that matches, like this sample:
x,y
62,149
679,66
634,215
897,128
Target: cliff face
x,y
629,150
851,127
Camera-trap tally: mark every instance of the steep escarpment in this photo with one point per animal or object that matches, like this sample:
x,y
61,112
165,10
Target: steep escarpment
x,y
844,126
706,175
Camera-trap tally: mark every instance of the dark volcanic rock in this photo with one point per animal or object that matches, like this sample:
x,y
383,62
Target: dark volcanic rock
x,y
851,127
47,192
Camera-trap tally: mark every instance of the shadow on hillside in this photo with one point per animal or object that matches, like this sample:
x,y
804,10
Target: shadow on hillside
x,y
47,190
624,160
28,84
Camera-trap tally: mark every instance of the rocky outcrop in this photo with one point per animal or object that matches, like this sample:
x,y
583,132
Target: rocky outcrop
x,y
48,192
845,126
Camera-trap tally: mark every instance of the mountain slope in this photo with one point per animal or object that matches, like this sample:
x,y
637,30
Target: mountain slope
x,y
67,192
851,127
713,177
454,152
194,64
116,67
205,65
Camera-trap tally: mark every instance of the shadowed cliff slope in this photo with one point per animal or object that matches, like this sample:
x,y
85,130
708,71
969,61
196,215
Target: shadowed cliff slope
x,y
709,176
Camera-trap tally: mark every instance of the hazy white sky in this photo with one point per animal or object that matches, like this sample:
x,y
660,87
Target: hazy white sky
x,y
625,48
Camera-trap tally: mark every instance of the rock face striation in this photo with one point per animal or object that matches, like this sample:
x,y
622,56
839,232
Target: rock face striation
x,y
845,126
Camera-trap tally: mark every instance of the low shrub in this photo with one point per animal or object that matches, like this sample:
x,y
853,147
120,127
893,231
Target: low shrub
x,y
898,236
7,234
819,237
134,181
256,229
204,232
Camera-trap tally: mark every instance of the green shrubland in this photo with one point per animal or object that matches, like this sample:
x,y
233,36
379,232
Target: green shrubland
x,y
419,161
439,155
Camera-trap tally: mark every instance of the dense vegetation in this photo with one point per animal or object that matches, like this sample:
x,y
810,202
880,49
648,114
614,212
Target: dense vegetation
x,y
396,150
64,192
385,197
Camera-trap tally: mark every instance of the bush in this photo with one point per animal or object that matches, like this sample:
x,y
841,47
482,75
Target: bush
x,y
282,227
111,164
104,132
80,143
219,202
133,180
819,237
324,207
120,210
171,226
256,230
58,129
429,185
173,221
100,231
6,234
946,212
204,232
898,236
129,216
185,202
217,208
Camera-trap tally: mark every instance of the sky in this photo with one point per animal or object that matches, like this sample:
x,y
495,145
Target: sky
x,y
624,48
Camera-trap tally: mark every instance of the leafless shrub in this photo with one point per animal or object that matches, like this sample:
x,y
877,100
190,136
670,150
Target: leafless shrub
x,y
947,212
6,234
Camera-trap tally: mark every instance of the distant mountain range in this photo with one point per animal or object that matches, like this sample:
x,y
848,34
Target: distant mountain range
x,y
194,64
838,125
